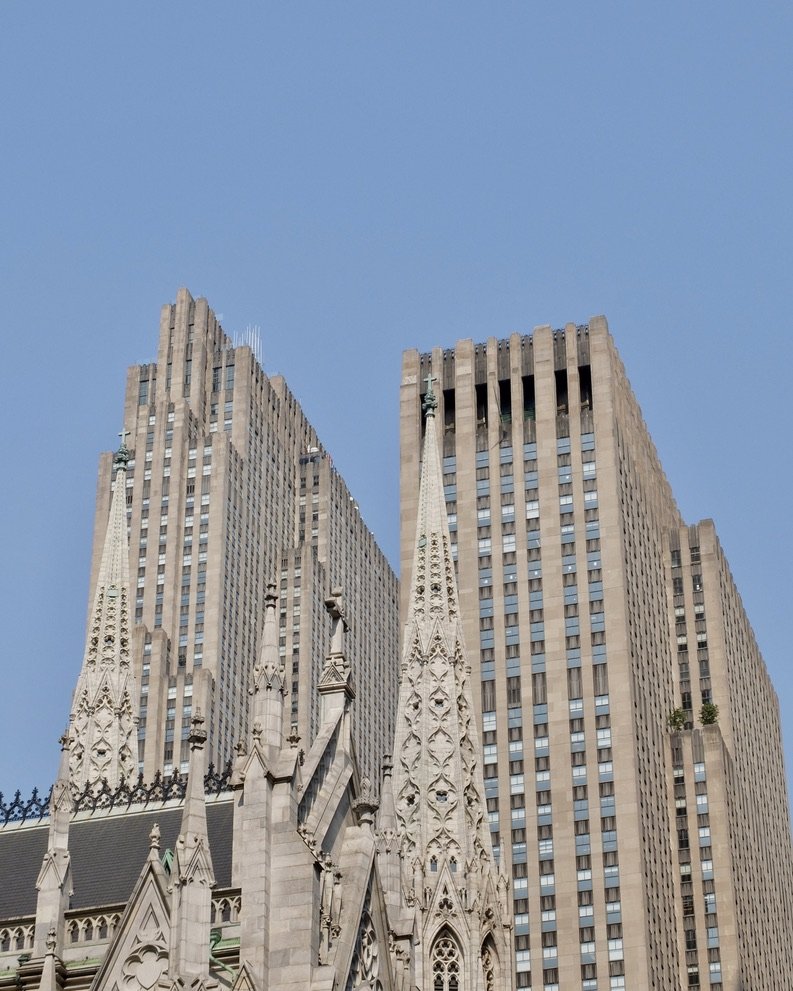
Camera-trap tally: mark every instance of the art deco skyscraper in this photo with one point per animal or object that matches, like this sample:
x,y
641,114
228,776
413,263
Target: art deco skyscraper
x,y
645,850
227,489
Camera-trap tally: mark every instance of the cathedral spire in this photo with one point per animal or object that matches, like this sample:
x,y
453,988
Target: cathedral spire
x,y
449,879
335,682
193,875
268,682
54,882
386,837
103,717
433,591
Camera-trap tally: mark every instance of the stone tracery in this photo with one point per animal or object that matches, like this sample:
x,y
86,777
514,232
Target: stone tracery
x,y
104,716
446,964
448,871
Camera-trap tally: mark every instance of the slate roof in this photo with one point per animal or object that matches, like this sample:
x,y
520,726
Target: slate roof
x,y
107,854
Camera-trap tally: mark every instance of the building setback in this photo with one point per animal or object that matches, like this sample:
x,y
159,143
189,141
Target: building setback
x,y
645,850
229,488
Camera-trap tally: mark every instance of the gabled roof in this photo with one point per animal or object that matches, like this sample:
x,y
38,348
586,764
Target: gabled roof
x,y
107,853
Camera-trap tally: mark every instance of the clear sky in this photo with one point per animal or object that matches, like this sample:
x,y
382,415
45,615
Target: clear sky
x,y
358,178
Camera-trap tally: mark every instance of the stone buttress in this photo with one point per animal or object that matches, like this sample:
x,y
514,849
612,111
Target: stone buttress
x,y
313,911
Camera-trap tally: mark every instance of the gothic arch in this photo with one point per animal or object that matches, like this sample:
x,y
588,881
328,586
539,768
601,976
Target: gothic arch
x,y
446,962
490,964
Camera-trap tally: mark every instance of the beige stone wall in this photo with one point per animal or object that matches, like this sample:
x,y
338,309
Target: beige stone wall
x,y
741,827
213,500
579,705
707,921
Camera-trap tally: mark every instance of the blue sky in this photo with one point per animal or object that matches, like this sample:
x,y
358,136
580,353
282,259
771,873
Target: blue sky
x,y
359,178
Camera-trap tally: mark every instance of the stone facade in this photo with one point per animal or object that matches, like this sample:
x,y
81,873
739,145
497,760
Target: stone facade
x,y
291,875
592,797
639,856
731,817
456,900
228,488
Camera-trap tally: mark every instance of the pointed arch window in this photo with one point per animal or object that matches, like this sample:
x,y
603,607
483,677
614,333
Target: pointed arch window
x,y
490,965
446,964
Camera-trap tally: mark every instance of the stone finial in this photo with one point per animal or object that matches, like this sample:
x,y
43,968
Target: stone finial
x,y
154,837
365,806
335,683
198,735
239,763
268,688
121,457
430,401
270,665
334,604
192,875
54,881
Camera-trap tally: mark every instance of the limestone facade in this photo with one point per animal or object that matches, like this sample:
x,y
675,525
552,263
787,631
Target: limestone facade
x,y
292,875
228,487
577,580
455,898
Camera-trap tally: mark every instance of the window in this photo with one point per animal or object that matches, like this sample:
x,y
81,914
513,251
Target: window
x,y
445,963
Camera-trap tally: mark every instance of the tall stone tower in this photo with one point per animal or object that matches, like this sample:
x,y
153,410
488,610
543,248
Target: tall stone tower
x,y
453,892
103,721
228,488
592,614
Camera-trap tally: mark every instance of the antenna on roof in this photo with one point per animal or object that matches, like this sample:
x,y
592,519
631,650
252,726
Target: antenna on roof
x,y
251,337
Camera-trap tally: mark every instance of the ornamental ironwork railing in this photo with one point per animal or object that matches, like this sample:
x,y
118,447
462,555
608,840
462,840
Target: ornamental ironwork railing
x,y
94,797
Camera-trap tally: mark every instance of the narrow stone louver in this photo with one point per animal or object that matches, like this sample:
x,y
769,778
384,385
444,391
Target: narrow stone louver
x,y
192,876
104,708
450,883
54,882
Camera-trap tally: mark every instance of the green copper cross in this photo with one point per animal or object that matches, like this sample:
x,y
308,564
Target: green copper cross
x,y
430,402
121,457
